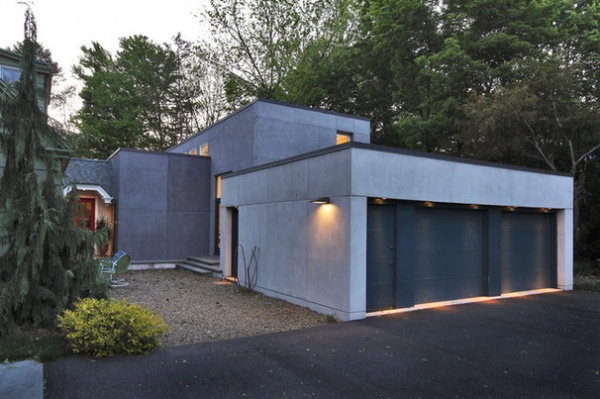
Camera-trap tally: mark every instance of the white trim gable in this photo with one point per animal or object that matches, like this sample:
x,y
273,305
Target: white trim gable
x,y
91,187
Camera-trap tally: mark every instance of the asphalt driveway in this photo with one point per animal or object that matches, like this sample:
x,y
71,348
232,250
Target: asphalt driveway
x,y
545,345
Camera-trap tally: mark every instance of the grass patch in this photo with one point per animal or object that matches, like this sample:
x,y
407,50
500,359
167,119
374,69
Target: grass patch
x,y
43,345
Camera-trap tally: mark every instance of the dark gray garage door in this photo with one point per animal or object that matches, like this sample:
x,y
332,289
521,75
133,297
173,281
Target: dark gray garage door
x,y
448,257
528,251
418,254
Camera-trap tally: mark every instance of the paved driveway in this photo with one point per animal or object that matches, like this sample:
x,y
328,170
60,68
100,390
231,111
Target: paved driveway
x,y
538,346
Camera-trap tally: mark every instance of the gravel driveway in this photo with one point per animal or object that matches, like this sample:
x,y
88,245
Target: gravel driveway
x,y
200,309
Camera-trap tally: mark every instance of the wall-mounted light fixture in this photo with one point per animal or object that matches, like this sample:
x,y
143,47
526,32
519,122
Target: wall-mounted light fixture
x,y
321,201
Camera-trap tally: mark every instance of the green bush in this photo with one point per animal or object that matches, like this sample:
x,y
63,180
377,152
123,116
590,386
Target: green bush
x,y
104,327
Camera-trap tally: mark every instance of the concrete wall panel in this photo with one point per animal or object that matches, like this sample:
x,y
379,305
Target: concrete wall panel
x,y
187,234
163,206
290,182
391,175
142,233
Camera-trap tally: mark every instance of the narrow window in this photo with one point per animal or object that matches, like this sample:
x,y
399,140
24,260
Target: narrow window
x,y
217,215
343,137
193,151
204,150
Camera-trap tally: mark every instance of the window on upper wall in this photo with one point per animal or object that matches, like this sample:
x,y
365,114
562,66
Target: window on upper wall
x,y
204,150
10,75
193,151
343,137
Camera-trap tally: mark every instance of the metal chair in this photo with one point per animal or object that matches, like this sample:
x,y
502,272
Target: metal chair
x,y
118,264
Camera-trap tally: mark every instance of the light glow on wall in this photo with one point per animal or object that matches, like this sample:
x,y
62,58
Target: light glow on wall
x,y
325,233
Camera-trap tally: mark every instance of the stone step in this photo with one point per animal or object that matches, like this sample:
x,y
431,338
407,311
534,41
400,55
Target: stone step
x,y
202,265
213,261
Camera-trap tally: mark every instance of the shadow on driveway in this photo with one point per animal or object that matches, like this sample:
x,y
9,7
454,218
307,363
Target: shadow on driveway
x,y
544,345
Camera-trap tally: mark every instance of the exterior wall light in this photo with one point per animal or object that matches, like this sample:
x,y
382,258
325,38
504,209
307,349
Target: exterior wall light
x,y
428,204
321,201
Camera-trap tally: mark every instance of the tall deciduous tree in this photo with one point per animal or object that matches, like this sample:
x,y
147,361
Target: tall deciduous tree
x,y
259,45
44,258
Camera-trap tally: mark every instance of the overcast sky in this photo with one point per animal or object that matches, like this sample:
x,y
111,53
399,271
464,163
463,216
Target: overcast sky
x,y
66,25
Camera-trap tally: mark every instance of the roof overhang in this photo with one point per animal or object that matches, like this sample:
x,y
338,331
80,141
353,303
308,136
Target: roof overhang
x,y
91,187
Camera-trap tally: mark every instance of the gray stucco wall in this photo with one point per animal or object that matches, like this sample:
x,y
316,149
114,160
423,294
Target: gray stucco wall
x,y
163,205
316,255
266,131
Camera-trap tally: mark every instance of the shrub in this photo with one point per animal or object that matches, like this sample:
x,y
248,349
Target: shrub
x,y
104,327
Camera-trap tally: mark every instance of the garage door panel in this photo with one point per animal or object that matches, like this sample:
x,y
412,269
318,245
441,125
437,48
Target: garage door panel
x,y
444,289
524,280
528,259
380,295
380,273
453,265
448,254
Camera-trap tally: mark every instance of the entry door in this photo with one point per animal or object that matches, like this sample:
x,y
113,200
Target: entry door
x,y
381,262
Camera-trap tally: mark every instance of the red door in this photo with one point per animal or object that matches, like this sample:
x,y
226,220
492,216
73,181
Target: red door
x,y
85,217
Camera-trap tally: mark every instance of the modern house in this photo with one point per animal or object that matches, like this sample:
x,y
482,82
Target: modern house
x,y
296,202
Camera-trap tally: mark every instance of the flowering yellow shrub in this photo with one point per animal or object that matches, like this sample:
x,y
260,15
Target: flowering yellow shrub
x,y
104,327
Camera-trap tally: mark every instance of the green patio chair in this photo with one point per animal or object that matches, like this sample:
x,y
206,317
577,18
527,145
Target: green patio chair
x,y
118,264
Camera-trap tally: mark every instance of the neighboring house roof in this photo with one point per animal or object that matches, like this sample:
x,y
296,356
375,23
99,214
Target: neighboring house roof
x,y
91,174
15,59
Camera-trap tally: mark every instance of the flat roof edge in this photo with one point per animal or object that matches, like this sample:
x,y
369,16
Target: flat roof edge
x,y
395,150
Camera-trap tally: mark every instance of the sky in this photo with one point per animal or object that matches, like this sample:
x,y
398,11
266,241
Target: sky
x,y
66,25
63,26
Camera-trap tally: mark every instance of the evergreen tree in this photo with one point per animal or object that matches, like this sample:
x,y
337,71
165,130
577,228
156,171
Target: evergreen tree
x,y
44,258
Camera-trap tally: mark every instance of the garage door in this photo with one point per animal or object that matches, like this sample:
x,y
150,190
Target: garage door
x,y
528,259
448,254
419,254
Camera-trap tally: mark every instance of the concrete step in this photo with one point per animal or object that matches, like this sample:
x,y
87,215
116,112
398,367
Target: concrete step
x,y
202,265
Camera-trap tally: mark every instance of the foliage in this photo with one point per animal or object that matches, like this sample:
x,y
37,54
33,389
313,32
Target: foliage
x,y
45,259
43,345
587,274
259,44
97,285
148,96
104,226
101,327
